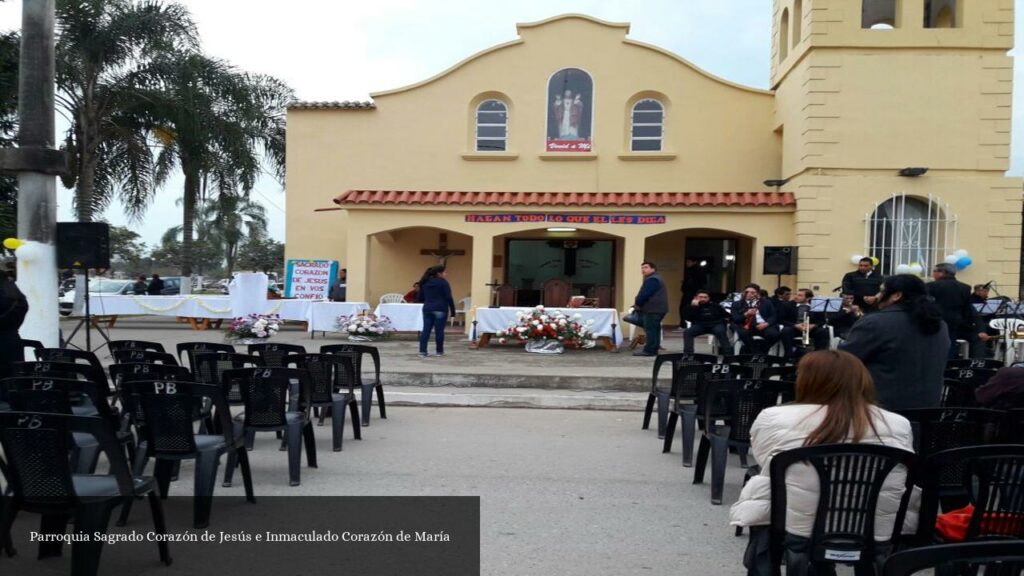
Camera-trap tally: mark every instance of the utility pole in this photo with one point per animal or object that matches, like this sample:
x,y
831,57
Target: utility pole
x,y
37,164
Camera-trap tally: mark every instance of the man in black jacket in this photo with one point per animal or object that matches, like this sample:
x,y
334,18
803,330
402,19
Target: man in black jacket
x,y
652,303
954,301
156,286
754,316
705,317
13,308
140,287
793,324
863,284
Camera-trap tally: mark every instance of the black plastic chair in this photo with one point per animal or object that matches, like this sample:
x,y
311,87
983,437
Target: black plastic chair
x,y
757,362
992,477
36,446
851,477
745,399
69,355
144,356
957,394
42,394
211,366
786,373
974,377
1012,428
988,558
333,380
974,363
269,408
691,387
35,345
64,370
190,349
273,354
116,345
662,397
169,437
366,389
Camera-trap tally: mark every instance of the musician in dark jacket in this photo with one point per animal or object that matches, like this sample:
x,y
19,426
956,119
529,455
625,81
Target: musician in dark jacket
x,y
705,317
792,321
13,308
954,301
863,284
755,316
652,302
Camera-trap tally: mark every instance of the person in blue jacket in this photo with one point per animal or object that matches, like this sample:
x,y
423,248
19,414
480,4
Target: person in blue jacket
x,y
436,295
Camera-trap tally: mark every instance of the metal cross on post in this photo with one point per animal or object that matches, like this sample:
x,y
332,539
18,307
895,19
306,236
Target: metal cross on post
x,y
442,250
494,293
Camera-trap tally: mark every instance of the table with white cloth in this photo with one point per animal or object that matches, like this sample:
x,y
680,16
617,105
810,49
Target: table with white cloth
x,y
196,309
606,326
323,316
403,317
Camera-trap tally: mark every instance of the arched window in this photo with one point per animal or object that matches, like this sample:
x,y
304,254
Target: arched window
x,y
784,35
878,14
798,20
648,126
906,230
491,126
940,14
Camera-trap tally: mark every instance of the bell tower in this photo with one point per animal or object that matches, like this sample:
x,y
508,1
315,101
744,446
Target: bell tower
x,y
866,88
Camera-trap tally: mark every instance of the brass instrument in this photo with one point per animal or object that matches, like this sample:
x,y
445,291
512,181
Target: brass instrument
x,y
751,318
806,332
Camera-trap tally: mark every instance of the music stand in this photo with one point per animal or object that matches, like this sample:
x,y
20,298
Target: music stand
x,y
1006,310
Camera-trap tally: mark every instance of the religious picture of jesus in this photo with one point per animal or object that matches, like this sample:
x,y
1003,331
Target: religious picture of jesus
x,y
570,115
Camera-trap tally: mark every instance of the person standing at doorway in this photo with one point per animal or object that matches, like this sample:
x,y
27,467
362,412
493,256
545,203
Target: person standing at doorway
x,y
694,279
436,296
338,289
652,303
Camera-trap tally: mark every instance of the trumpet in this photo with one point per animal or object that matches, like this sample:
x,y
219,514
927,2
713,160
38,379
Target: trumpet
x,y
806,332
751,318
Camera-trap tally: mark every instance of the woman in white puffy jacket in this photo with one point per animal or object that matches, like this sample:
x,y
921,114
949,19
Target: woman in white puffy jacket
x,y
834,404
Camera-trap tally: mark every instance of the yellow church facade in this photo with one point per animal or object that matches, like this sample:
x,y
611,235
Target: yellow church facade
x,y
556,163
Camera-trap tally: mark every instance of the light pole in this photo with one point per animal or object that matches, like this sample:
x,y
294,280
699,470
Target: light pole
x,y
37,164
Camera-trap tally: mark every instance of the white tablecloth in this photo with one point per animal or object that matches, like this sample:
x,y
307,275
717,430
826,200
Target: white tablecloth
x,y
404,317
493,320
198,306
323,316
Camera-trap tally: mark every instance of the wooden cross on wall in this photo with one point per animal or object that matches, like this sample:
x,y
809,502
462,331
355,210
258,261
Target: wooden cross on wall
x,y
442,250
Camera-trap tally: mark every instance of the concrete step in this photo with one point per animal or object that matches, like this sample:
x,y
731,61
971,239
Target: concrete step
x,y
514,398
511,380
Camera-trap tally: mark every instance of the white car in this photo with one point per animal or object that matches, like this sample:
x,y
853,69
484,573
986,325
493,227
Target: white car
x,y
96,286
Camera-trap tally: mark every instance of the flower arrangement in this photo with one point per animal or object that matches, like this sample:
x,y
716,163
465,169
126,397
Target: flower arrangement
x,y
365,326
254,326
541,324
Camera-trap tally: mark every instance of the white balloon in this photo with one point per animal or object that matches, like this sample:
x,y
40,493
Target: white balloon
x,y
903,269
916,269
961,253
855,259
951,259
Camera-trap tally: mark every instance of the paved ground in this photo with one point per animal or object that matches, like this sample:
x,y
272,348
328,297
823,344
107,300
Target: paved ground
x,y
562,491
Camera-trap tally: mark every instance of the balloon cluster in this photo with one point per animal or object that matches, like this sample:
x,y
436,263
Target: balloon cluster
x,y
960,259
856,258
915,268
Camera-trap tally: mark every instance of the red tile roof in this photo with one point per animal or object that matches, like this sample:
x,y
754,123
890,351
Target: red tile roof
x,y
589,199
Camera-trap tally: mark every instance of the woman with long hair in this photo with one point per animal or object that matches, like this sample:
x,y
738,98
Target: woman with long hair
x,y
904,345
436,295
835,403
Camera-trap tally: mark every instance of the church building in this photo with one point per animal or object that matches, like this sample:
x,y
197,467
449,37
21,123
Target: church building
x,y
554,164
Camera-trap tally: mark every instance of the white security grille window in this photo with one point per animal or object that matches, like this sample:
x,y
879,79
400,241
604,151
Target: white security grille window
x,y
648,126
491,126
905,231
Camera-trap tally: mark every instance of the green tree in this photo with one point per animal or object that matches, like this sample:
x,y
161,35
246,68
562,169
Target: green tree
x,y
104,53
219,125
9,52
207,252
262,254
233,217
126,249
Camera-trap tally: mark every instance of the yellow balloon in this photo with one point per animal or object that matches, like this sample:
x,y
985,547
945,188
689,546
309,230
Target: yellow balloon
x,y
12,243
874,261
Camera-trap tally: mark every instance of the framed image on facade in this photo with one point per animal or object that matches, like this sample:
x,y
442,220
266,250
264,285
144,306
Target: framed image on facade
x,y
570,111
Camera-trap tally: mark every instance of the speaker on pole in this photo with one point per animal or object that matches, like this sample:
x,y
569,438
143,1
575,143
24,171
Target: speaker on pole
x,y
780,260
83,245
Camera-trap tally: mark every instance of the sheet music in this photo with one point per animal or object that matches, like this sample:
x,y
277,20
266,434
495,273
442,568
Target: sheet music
x,y
826,304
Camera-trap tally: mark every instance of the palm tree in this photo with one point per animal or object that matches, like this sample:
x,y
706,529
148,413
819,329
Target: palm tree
x,y
103,56
233,218
219,125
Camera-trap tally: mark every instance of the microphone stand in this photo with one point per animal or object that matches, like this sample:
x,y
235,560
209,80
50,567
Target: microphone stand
x,y
1001,313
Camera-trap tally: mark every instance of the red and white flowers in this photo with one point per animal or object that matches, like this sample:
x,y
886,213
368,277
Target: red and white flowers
x,y
253,326
365,325
543,324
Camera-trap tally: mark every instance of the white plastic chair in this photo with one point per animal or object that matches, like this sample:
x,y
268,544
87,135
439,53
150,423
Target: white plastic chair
x,y
464,306
392,298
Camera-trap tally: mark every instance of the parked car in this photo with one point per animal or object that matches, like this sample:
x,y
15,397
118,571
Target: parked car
x,y
105,286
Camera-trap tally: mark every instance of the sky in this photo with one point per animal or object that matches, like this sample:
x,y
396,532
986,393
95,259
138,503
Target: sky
x,y
344,50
